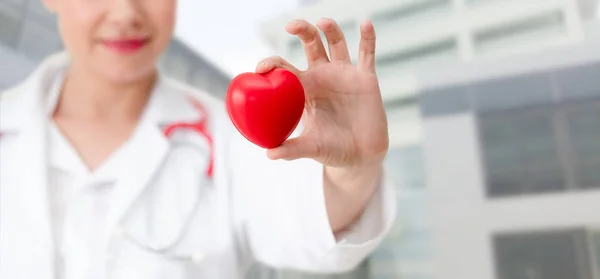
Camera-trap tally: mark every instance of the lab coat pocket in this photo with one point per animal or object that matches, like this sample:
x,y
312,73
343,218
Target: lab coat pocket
x,y
179,226
132,262
202,248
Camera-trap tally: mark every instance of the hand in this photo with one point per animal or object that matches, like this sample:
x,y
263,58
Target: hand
x,y
345,124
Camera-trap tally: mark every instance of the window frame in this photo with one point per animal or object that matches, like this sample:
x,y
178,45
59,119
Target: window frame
x,y
389,64
488,37
575,234
565,146
594,249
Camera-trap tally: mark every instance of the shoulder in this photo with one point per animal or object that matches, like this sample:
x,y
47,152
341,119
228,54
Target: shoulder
x,y
19,90
9,94
30,94
16,104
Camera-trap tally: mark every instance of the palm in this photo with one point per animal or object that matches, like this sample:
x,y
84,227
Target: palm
x,y
344,114
344,122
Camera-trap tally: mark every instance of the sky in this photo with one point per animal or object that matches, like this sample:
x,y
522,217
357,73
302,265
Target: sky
x,y
226,32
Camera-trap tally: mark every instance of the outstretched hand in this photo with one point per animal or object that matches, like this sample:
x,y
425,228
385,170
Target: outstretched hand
x,y
345,124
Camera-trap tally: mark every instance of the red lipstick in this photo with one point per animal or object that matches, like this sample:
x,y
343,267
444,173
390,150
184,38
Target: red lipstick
x,y
125,45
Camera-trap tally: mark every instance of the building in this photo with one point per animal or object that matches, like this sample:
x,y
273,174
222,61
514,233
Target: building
x,y
28,33
512,151
461,79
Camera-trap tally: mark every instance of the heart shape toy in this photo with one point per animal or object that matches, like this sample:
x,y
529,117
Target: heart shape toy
x,y
266,108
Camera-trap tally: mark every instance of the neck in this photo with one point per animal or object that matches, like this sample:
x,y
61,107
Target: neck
x,y
88,95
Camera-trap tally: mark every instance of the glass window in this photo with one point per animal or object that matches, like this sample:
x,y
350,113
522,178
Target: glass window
x,y
10,24
444,101
406,167
596,250
295,45
579,82
38,41
418,12
16,3
201,79
518,91
295,48
521,153
439,52
178,67
542,255
37,11
402,103
517,33
162,61
541,149
479,2
409,241
351,31
584,132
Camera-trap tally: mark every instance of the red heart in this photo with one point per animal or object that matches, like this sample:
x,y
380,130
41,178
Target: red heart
x,y
266,108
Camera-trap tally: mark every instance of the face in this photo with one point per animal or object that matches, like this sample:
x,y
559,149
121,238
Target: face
x,y
120,40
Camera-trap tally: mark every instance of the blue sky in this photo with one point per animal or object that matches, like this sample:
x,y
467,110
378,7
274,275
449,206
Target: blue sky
x,y
227,31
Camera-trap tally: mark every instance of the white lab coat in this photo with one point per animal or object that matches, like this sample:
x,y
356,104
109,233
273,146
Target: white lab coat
x,y
254,209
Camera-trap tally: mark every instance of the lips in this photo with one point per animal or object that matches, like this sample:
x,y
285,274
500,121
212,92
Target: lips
x,y
125,45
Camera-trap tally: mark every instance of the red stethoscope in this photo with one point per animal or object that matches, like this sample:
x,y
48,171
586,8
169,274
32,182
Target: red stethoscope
x,y
200,127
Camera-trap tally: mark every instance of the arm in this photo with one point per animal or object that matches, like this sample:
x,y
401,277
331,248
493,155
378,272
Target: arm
x,y
348,192
322,204
295,216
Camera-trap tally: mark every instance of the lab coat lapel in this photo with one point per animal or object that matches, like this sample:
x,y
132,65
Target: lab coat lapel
x,y
144,160
32,169
149,152
27,249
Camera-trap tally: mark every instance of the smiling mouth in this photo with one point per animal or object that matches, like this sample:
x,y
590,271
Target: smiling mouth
x,y
125,46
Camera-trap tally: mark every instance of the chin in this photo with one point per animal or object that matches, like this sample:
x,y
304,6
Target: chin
x,y
128,74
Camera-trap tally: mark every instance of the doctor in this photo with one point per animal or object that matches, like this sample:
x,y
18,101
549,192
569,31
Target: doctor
x,y
110,170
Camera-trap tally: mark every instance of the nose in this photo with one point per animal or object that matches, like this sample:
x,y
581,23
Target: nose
x,y
125,14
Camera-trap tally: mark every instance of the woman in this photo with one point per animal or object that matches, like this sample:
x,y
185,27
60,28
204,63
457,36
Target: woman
x,y
92,186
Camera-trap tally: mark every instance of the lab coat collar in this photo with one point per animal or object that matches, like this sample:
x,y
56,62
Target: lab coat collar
x,y
170,101
24,112
19,105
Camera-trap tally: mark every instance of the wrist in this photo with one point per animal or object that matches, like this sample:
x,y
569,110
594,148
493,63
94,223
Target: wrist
x,y
348,190
354,178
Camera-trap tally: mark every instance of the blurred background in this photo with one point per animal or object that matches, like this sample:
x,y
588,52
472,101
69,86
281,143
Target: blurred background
x,y
494,114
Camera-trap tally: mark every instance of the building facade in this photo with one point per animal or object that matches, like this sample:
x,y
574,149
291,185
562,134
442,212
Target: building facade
x,y
462,81
513,163
28,34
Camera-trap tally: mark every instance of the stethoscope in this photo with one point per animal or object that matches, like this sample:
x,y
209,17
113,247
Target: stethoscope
x,y
200,128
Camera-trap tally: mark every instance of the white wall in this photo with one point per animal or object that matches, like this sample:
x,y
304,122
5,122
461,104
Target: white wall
x,y
454,178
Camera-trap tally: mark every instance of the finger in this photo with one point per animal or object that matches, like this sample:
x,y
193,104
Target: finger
x,y
336,41
273,62
293,149
311,40
366,54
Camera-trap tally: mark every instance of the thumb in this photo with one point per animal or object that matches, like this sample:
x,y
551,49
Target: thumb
x,y
293,149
